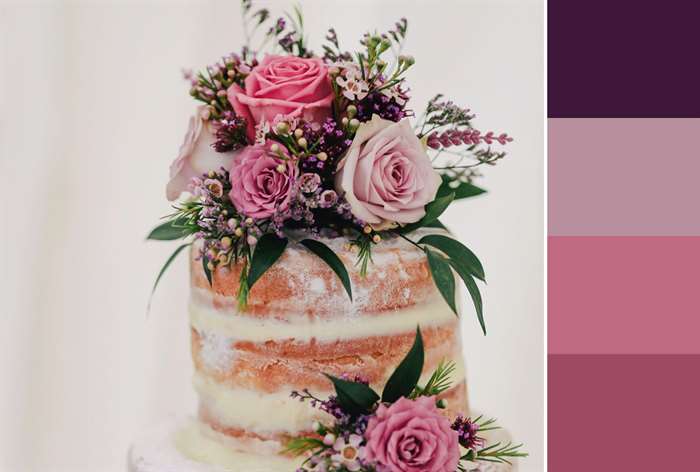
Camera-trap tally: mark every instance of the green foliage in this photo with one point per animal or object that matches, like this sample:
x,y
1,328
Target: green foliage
x,y
405,378
207,271
176,228
269,248
457,252
364,253
165,267
443,277
331,258
452,183
465,263
354,397
474,293
433,210
439,382
496,453
299,446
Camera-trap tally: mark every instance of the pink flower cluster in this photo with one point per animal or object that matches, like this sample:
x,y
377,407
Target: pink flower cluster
x,y
385,176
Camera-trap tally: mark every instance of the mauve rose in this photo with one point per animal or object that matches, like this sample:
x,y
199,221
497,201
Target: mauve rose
x,y
196,156
386,175
283,85
258,188
412,436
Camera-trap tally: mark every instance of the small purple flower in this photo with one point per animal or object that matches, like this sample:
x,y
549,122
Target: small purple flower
x,y
215,187
327,199
309,182
467,431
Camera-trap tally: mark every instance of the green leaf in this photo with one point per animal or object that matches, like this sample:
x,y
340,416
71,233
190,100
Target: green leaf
x,y
207,272
406,376
268,249
433,210
467,190
470,283
443,277
463,190
165,267
354,397
332,259
174,229
436,224
457,252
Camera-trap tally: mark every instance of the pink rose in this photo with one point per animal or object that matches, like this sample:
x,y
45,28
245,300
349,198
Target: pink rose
x,y
261,182
283,85
196,156
386,175
412,436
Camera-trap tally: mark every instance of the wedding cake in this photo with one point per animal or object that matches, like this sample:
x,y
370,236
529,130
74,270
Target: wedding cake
x,y
324,307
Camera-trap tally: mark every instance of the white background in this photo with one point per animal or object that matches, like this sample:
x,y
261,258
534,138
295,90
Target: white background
x,y
93,110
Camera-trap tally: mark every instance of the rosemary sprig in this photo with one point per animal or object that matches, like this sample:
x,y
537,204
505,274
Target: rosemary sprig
x,y
299,446
497,453
439,382
364,255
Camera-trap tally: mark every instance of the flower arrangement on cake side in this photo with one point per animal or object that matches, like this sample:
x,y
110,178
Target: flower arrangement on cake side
x,y
290,145
402,430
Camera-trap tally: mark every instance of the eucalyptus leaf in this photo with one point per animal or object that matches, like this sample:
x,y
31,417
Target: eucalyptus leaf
x,y
443,277
433,210
457,252
170,230
474,292
268,249
355,397
331,258
165,267
405,378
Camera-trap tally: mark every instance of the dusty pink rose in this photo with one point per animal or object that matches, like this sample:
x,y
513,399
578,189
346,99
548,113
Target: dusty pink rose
x,y
283,85
261,182
196,156
386,175
412,436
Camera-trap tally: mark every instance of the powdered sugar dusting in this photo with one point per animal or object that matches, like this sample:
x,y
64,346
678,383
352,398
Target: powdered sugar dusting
x,y
216,351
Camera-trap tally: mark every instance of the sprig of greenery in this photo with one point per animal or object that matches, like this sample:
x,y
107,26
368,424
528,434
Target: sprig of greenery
x,y
496,453
364,254
440,381
303,445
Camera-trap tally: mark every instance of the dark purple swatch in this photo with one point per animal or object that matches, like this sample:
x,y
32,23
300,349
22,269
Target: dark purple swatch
x,y
623,58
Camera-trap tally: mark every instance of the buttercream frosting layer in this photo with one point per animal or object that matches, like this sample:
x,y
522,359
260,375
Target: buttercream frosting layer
x,y
276,365
269,413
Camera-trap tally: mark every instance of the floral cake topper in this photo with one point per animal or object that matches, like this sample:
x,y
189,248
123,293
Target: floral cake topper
x,y
289,145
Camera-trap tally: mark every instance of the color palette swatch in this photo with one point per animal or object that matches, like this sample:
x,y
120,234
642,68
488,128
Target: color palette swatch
x,y
624,236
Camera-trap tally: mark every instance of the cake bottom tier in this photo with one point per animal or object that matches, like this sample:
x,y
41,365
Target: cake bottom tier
x,y
186,445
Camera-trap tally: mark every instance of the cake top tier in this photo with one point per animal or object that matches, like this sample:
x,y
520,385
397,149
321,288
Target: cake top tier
x,y
300,283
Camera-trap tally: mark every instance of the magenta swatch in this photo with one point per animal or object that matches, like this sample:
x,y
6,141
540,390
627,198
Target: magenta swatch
x,y
624,295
